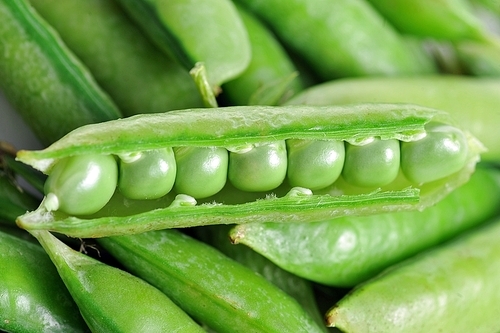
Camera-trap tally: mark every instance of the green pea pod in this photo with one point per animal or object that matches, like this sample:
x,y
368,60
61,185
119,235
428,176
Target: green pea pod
x,y
350,250
452,287
214,289
112,300
240,129
271,77
293,285
452,20
336,37
210,32
43,80
34,299
138,76
472,102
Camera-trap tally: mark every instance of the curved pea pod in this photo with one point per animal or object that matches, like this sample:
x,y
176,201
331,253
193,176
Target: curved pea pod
x,y
214,289
449,288
334,37
210,32
43,80
349,250
271,77
139,77
293,285
472,102
34,299
110,299
239,129
452,20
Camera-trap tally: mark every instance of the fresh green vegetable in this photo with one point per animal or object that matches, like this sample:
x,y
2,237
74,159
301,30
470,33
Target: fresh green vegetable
x,y
81,184
210,32
214,289
33,297
349,250
271,76
452,20
239,129
43,80
139,77
340,38
472,102
453,287
110,299
295,286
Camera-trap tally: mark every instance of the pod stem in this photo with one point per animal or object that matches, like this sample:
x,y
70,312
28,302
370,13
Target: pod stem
x,y
199,75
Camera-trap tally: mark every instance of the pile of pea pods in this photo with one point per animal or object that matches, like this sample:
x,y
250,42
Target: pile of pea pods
x,y
251,166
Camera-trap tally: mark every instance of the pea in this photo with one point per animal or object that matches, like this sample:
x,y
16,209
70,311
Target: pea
x,y
314,164
81,184
201,172
440,153
372,164
150,175
262,168
197,135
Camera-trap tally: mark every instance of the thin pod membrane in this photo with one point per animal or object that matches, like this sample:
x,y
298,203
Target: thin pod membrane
x,y
243,130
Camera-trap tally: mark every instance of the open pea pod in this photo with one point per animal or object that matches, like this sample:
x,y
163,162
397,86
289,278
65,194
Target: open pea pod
x,y
256,151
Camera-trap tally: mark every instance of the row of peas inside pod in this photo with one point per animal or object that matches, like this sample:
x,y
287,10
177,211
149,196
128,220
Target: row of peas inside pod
x,y
326,157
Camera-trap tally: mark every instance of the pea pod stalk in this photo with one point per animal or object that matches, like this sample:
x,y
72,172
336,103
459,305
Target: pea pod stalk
x,y
236,129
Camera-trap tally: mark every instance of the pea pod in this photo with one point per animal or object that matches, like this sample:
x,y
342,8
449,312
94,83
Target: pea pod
x,y
271,77
238,129
210,32
452,287
335,37
112,300
295,286
350,250
214,289
452,20
43,80
139,77
472,102
34,299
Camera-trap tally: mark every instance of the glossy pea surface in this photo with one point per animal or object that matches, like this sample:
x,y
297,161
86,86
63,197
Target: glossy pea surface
x,y
149,176
81,184
201,172
373,164
440,153
314,164
262,168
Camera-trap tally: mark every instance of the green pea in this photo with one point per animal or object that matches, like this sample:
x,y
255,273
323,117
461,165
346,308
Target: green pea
x,y
201,172
440,153
81,184
373,164
314,164
150,175
262,168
